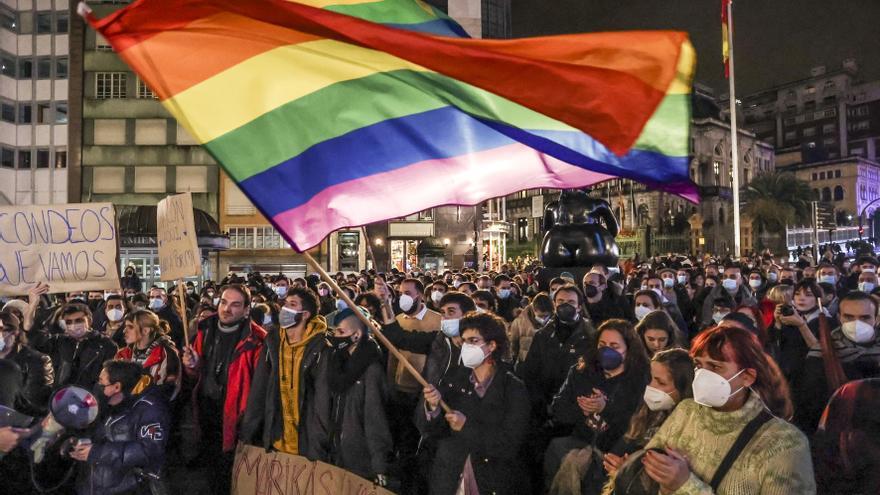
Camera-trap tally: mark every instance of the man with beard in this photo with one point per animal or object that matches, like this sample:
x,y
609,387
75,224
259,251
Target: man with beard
x,y
416,317
602,303
555,349
221,361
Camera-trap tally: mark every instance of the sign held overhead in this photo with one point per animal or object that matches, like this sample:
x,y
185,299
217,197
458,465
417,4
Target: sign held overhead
x,y
179,254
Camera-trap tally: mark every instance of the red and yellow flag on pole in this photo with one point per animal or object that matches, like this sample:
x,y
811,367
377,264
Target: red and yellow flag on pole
x,y
725,37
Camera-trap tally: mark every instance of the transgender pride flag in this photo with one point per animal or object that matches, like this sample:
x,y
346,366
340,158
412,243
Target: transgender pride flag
x,y
339,113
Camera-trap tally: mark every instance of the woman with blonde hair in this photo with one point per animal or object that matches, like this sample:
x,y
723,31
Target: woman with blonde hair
x,y
148,343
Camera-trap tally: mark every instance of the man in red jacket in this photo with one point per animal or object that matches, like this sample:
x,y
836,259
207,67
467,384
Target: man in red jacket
x,y
222,359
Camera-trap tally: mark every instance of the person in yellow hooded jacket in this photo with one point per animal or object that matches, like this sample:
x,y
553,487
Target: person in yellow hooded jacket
x,y
279,414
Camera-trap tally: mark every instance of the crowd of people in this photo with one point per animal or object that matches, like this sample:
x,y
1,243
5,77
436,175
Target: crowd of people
x,y
674,375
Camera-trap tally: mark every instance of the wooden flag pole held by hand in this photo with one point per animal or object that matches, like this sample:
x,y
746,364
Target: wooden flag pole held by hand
x,y
376,331
181,294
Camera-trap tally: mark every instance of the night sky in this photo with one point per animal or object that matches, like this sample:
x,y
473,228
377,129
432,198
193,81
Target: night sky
x,y
776,41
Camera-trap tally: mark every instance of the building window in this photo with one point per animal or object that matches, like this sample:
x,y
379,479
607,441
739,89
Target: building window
x,y
8,19
258,237
830,141
236,202
149,180
857,152
108,180
809,131
184,137
837,174
44,67
61,68
790,135
7,157
828,129
826,194
522,230
60,113
143,91
43,158
716,167
838,193
110,85
150,131
109,131
7,65
192,179
62,22
44,113
7,112
24,159
25,111
60,159
101,44
815,176
44,22
426,214
25,68
821,175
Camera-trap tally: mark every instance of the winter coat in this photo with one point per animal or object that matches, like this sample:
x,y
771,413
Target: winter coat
x,y
742,296
493,435
262,423
240,373
168,314
359,438
76,362
38,379
624,393
161,360
610,306
549,360
520,334
132,437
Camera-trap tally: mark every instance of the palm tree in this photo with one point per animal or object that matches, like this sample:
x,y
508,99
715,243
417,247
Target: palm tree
x,y
775,200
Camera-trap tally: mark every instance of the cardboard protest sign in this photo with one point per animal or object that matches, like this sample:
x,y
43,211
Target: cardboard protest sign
x,y
257,472
70,247
179,254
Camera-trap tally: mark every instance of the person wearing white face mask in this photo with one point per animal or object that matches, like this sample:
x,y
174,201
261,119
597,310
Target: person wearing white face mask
x,y
79,353
738,392
731,285
277,414
867,281
856,347
479,443
160,304
672,372
521,332
115,309
438,289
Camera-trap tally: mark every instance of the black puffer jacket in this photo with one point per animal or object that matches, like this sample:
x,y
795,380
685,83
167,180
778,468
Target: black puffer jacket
x,y
132,437
358,437
38,378
76,362
554,350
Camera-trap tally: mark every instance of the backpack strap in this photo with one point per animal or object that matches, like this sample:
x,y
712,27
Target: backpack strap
x,y
742,440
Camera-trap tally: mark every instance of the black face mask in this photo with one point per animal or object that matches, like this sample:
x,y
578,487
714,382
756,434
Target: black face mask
x,y
338,343
103,400
591,291
94,303
786,281
567,314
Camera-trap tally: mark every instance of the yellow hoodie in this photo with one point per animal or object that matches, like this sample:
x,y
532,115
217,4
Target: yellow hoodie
x,y
290,361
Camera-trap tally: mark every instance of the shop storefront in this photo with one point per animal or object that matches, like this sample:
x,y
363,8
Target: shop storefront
x,y
137,244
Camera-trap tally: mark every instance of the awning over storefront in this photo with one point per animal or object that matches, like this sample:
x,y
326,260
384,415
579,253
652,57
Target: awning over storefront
x,y
137,228
431,247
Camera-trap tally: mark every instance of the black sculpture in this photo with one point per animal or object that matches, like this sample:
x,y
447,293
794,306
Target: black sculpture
x,y
575,235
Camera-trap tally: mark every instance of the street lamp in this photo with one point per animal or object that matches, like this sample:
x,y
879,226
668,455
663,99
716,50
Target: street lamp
x,y
446,242
378,241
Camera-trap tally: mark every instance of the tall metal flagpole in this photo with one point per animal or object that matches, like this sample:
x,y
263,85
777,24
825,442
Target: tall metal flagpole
x,y
734,135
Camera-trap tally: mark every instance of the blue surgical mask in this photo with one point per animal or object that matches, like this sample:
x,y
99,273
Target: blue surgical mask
x,y
449,327
729,284
504,293
866,286
156,303
828,279
340,305
773,276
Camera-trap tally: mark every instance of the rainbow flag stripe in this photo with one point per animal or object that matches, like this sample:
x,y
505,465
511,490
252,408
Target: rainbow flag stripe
x,y
338,113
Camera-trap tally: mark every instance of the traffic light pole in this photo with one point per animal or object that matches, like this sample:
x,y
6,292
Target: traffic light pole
x,y
815,231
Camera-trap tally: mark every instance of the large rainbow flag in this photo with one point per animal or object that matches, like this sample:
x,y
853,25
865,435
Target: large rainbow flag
x,y
339,113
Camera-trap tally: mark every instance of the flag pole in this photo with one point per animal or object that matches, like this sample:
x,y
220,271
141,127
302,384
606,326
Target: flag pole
x,y
375,331
370,249
734,136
